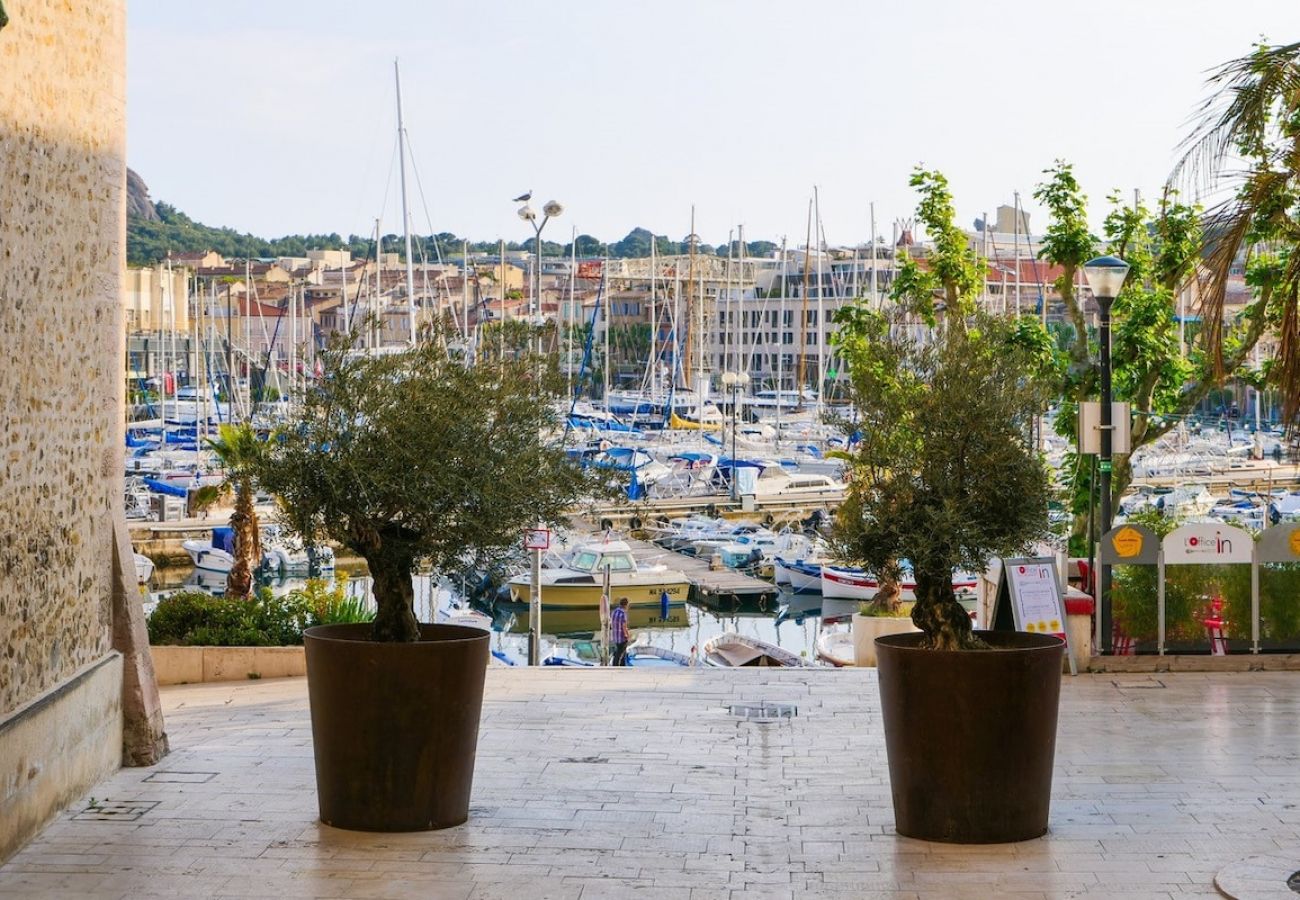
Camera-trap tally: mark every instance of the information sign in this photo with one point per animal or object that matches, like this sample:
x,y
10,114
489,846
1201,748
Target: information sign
x,y
1029,599
537,539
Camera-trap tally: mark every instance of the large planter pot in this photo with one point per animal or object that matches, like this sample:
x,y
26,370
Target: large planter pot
x,y
395,726
971,736
867,628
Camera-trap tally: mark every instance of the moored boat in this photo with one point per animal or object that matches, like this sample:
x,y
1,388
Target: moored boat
x,y
836,648
579,583
732,650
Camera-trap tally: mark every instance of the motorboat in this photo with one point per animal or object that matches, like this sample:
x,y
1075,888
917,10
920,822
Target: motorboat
x,y
804,576
853,583
579,583
776,483
285,555
732,650
215,555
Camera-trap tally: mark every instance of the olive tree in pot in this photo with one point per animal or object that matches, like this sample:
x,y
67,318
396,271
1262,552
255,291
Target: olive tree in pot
x,y
944,476
412,459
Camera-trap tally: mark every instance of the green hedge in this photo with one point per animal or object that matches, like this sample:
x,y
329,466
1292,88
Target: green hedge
x,y
195,618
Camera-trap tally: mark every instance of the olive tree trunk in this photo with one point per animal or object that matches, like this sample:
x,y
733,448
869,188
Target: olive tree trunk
x,y
939,614
394,599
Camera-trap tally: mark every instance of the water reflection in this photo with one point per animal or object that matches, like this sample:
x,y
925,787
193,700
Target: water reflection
x,y
789,621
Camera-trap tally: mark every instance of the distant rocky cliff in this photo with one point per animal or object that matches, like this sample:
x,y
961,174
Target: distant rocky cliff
x,y
138,204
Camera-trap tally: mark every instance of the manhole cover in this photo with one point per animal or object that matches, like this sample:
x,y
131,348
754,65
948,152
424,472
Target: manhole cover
x,y
115,810
1260,878
1138,685
764,711
181,777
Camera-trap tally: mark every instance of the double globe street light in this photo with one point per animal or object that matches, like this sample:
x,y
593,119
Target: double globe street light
x,y
1105,276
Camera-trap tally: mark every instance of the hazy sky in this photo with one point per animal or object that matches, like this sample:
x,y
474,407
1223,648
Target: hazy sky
x,y
278,116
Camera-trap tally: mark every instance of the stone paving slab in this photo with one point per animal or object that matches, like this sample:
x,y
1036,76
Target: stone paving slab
x,y
633,783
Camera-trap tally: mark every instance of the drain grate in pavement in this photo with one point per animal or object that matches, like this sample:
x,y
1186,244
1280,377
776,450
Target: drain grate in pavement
x,y
1139,685
115,810
764,711
181,777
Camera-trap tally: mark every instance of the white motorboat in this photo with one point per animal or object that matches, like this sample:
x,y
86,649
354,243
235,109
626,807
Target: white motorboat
x,y
579,583
852,583
285,555
215,555
774,482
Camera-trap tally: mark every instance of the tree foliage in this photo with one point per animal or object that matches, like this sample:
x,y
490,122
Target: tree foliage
x,y
952,271
238,450
943,475
414,459
1246,144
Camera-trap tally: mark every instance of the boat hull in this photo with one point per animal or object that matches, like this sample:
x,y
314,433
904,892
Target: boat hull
x,y
587,596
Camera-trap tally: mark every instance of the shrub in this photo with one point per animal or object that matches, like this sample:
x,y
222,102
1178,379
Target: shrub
x,y
193,618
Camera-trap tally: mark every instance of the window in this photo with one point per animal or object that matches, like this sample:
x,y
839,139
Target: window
x,y
787,338
617,562
585,561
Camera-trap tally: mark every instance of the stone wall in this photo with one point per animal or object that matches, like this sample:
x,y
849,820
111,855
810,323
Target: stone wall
x,y
62,182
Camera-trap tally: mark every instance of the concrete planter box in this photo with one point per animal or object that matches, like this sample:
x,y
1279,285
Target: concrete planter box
x,y
194,665
867,628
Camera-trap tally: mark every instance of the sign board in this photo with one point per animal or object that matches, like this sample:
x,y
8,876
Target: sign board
x,y
1130,545
1280,544
1206,543
1029,599
537,539
1090,427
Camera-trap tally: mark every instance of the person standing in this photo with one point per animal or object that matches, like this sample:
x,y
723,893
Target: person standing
x,y
618,632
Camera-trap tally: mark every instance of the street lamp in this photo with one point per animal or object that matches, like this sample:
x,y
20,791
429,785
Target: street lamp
x,y
733,382
1105,276
550,210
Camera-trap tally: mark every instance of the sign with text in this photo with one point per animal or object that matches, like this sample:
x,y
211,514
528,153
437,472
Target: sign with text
x,y
1029,599
1206,543
1130,545
537,539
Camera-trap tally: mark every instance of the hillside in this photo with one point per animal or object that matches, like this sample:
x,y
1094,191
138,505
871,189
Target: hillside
x,y
155,229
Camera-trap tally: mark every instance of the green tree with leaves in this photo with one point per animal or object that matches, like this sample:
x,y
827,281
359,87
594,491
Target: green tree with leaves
x,y
943,475
952,271
416,459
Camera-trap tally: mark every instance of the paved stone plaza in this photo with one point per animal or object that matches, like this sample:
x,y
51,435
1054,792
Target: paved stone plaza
x,y
635,783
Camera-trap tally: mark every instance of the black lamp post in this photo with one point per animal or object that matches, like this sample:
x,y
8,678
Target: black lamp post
x,y
1105,276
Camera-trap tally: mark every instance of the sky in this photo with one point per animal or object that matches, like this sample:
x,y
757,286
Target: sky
x,y
278,116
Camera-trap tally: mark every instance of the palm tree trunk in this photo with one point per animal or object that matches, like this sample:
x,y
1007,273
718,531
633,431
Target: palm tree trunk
x,y
248,542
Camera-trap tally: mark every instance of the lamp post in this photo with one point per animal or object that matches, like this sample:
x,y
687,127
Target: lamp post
x,y
1105,276
550,210
734,382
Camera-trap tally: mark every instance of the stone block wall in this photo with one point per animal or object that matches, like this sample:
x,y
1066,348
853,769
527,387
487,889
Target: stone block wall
x,y
62,196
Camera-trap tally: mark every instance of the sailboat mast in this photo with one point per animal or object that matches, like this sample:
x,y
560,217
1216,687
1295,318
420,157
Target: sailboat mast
x,y
406,218
803,315
654,324
780,347
821,306
875,300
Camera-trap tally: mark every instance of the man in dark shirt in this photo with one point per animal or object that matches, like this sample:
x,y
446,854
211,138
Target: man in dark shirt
x,y
618,632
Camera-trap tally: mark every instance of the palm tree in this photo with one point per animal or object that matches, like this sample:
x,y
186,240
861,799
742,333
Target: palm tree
x,y
237,447
1246,147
